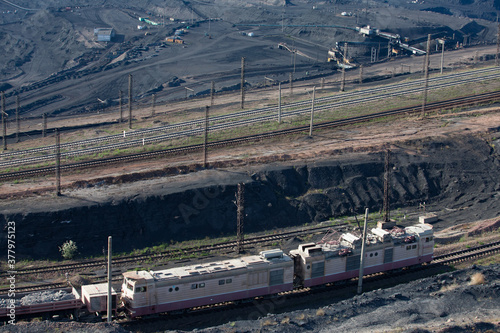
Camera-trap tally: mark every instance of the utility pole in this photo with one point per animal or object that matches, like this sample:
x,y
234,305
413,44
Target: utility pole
x,y
294,59
497,55
205,141
312,113
212,93
17,119
240,216
291,83
322,83
243,82
342,83
360,74
130,101
153,106
387,174
279,103
426,74
442,41
58,163
44,124
110,303
4,124
362,259
120,99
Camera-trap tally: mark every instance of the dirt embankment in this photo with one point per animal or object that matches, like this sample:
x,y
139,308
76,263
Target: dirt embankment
x,y
443,172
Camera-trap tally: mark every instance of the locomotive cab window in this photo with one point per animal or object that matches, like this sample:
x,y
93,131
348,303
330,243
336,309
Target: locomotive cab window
x,y
414,246
194,286
130,287
229,280
221,282
140,289
201,285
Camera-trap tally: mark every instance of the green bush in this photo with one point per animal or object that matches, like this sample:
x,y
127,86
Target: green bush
x,y
68,249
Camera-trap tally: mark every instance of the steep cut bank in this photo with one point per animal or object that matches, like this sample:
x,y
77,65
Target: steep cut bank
x,y
457,175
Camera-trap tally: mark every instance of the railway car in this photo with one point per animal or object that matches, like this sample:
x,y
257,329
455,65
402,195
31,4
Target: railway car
x,y
336,260
149,292
91,300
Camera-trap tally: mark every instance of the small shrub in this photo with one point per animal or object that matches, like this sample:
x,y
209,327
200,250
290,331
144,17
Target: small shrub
x,y
320,312
269,322
476,279
301,317
68,249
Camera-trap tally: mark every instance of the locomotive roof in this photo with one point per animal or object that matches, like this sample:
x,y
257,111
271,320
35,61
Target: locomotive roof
x,y
225,267
375,238
421,229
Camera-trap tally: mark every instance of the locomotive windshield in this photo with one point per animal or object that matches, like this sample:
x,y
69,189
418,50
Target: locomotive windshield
x,y
128,284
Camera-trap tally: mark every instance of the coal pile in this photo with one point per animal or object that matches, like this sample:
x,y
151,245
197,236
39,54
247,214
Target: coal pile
x,y
39,297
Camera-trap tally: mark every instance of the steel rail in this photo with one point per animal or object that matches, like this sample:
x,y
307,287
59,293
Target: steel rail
x,y
147,155
191,132
174,252
384,89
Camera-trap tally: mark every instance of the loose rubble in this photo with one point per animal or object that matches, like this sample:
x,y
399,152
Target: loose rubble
x,y
38,297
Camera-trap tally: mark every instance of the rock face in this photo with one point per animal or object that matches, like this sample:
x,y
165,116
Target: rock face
x,y
458,173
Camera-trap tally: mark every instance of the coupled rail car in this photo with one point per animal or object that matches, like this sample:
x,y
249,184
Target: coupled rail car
x,y
91,299
312,264
335,258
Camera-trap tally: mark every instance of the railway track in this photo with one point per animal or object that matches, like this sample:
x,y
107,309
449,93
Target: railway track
x,y
230,245
446,259
142,136
347,288
431,107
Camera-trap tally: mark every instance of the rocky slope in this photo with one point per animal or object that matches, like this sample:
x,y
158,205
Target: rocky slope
x,y
457,172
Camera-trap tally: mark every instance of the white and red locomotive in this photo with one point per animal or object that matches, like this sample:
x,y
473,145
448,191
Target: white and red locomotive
x,y
272,272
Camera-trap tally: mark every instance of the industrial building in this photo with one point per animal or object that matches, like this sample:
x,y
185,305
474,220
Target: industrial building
x,y
104,34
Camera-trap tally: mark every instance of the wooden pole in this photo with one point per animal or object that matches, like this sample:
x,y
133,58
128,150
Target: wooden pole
x,y
442,56
212,93
18,125
279,103
426,74
130,101
243,82
153,106
205,141
58,163
4,124
44,125
312,113
120,101
240,216
110,299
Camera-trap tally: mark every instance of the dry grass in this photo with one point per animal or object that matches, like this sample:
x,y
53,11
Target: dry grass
x,y
269,322
449,287
301,317
285,320
320,312
476,279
